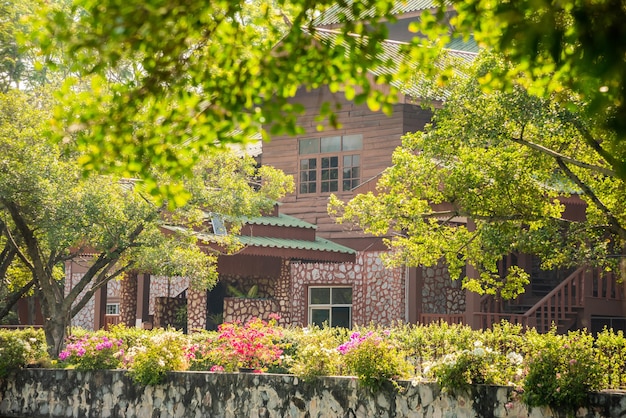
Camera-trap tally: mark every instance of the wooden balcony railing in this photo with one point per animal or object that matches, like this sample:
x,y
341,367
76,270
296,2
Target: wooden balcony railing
x,y
427,318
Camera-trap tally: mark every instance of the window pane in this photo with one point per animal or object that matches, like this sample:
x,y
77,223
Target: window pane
x,y
331,144
342,295
341,317
309,146
320,295
352,142
319,316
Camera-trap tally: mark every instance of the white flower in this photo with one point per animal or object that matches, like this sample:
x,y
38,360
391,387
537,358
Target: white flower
x,y
479,351
514,358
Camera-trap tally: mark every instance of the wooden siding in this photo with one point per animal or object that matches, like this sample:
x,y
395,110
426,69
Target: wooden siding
x,y
381,136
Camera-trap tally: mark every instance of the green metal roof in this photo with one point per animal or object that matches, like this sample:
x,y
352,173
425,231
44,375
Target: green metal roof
x,y
280,220
320,244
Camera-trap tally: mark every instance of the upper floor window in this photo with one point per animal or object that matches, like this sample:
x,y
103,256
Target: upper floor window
x,y
330,164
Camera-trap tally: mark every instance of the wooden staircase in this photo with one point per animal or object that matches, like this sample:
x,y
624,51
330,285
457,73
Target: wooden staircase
x,y
567,306
562,307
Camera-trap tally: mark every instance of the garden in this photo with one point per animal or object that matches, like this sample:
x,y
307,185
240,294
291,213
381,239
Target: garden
x,y
544,369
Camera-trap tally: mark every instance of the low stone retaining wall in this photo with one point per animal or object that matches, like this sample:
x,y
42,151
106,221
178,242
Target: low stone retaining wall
x,y
111,393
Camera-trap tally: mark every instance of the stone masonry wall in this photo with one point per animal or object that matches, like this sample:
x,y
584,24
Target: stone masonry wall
x,y
440,294
378,292
244,309
55,393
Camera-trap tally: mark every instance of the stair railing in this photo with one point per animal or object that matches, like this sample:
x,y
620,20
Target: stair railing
x,y
556,305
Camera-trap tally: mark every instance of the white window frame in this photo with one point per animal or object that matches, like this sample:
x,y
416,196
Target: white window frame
x,y
116,308
329,306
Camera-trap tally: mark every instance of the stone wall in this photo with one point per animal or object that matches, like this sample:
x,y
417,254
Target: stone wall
x,y
165,310
440,294
378,292
244,309
53,393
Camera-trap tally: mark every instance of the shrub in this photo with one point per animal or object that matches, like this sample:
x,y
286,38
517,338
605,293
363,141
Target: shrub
x,y
202,353
562,369
374,359
316,352
611,359
456,372
161,352
92,352
252,345
20,348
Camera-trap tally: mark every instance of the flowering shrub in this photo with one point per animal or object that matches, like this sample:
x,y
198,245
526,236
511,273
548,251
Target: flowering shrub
x,y
202,353
21,348
374,359
561,370
161,352
252,345
316,352
480,366
92,352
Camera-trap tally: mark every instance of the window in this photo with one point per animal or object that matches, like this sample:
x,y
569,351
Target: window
x,y
112,309
331,305
337,165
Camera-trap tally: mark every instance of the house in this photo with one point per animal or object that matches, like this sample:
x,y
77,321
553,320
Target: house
x,y
311,270
347,161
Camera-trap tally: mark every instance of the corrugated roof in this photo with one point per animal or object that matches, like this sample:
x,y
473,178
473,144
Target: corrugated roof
x,y
392,52
320,244
337,14
280,220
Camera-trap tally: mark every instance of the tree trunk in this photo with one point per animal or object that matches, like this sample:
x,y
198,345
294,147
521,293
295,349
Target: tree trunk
x,y
128,299
54,328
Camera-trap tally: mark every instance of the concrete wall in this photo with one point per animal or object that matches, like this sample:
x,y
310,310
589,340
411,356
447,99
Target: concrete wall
x,y
72,393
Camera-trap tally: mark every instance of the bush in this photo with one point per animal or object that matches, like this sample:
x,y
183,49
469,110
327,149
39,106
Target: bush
x,y
456,372
562,369
374,359
316,352
163,351
611,359
252,345
20,348
92,352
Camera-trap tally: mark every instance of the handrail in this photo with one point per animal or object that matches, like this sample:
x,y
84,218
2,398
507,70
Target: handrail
x,y
429,318
559,302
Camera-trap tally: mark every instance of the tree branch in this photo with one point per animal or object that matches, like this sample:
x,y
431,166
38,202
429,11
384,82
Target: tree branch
x,y
552,153
14,297
613,221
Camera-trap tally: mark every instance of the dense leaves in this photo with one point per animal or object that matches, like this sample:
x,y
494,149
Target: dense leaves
x,y
489,178
164,82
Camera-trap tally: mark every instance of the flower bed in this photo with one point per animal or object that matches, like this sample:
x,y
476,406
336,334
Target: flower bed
x,y
541,369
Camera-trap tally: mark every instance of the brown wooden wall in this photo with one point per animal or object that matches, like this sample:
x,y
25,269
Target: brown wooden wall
x,y
381,135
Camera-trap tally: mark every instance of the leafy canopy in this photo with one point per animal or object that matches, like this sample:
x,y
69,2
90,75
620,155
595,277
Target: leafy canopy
x,y
164,82
490,177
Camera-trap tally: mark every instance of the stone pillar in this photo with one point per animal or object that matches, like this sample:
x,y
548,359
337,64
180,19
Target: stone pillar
x,y
196,309
128,299
283,293
100,298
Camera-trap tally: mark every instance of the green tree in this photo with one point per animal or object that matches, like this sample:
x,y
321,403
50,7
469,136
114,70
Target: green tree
x,y
51,213
571,51
502,161
203,75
